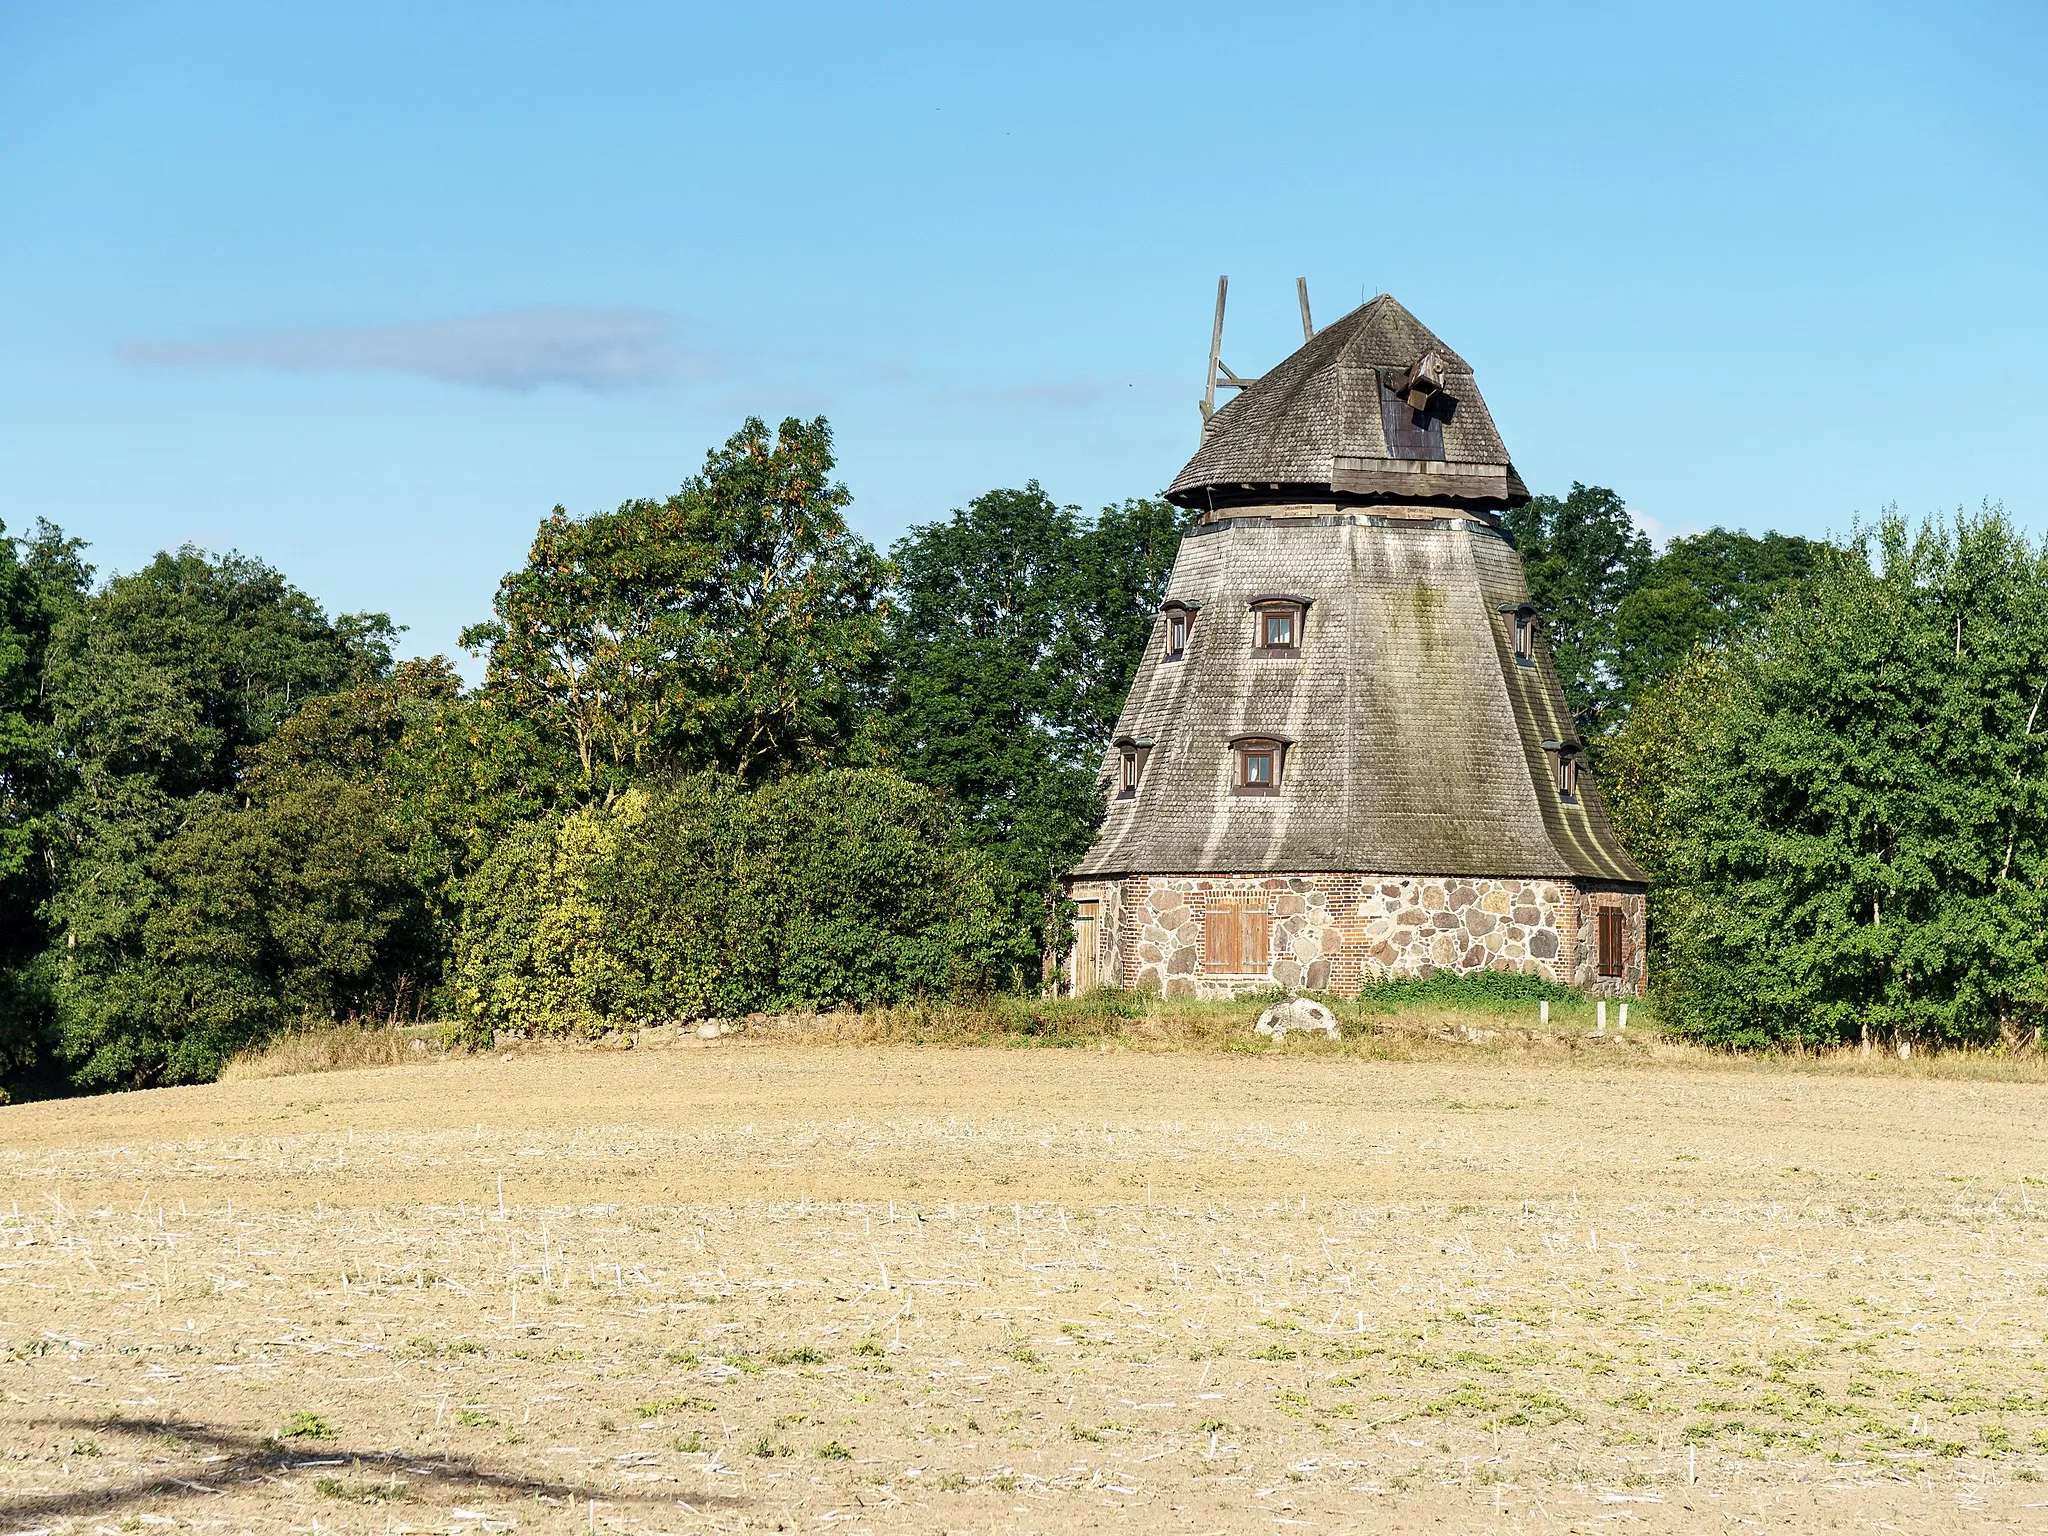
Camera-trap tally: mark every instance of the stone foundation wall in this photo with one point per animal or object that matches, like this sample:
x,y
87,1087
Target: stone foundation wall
x,y
1333,932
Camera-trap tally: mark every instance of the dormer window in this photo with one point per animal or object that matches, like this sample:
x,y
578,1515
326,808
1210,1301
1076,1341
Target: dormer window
x,y
1522,624
1131,754
1564,759
1180,623
1277,623
1260,762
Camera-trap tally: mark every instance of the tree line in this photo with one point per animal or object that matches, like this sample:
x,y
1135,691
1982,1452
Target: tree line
x,y
725,756
728,756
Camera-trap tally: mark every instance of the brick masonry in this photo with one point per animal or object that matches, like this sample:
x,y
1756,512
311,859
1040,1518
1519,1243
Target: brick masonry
x,y
1334,932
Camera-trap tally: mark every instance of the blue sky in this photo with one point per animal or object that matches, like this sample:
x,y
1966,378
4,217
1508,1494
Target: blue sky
x,y
365,290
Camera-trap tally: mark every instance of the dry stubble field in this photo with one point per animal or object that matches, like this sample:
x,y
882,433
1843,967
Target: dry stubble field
x,y
822,1289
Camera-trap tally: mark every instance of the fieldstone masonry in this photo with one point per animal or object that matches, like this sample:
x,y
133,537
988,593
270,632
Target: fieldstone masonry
x,y
1333,932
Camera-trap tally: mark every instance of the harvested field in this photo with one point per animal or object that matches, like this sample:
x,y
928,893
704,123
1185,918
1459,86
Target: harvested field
x,y
736,1286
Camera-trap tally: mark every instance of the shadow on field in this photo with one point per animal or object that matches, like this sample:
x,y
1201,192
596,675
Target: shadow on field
x,y
353,1476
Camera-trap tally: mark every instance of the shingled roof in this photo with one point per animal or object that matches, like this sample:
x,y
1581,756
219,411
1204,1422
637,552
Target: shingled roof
x,y
1318,423
1416,741
1414,738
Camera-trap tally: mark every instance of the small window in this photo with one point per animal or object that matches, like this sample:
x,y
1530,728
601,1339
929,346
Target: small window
x,y
1180,623
1131,754
1259,766
1522,620
1612,928
1277,623
1564,765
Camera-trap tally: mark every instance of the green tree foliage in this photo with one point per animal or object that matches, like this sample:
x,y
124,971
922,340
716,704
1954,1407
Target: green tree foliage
x,y
732,625
1013,638
453,775
157,686
1854,815
1700,591
41,578
846,886
1583,555
300,907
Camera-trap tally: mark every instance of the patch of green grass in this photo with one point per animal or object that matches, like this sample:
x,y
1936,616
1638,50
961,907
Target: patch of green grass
x,y
395,1491
832,1450
680,1357
306,1426
803,1354
691,1443
768,1446
1212,1426
1277,1352
1480,989
475,1418
661,1405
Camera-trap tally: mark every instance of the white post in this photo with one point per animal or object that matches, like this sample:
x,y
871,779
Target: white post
x,y
1543,1014
1624,1018
1602,1005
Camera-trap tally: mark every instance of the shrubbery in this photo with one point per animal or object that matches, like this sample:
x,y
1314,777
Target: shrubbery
x,y
842,887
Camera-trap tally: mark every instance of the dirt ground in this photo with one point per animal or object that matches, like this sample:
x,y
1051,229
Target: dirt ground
x,y
734,1287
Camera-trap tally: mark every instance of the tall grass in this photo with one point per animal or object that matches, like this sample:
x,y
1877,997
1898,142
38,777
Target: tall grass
x,y
341,1049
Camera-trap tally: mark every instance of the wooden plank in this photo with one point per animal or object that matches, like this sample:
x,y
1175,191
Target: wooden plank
x,y
1215,349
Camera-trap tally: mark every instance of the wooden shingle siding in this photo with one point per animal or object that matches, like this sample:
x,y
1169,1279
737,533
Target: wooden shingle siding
x,y
1415,738
1318,416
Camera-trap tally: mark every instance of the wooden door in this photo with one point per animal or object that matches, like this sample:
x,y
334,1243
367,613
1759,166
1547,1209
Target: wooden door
x,y
1087,966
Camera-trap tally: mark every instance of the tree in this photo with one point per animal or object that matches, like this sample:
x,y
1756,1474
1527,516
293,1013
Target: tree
x,y
41,578
1013,638
732,625
1583,555
300,908
157,687
1856,828
1701,590
453,774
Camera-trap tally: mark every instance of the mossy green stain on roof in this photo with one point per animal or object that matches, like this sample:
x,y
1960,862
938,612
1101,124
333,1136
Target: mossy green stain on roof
x,y
1416,736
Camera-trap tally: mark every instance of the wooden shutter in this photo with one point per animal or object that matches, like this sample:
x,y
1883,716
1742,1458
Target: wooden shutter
x,y
1257,954
1222,936
1610,941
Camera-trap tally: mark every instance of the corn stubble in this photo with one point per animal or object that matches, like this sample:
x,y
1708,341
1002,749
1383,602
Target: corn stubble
x,y
921,1289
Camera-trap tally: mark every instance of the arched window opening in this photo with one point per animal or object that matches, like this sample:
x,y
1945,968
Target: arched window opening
x,y
1131,754
1522,624
1180,624
1278,620
1564,763
1260,763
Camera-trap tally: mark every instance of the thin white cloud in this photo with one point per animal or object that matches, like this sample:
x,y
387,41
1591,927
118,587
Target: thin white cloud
x,y
519,350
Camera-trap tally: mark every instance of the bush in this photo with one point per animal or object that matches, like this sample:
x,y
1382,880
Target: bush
x,y
1480,989
839,888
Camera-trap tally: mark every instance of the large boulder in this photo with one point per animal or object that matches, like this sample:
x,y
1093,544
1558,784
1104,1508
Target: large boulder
x,y
1303,1014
